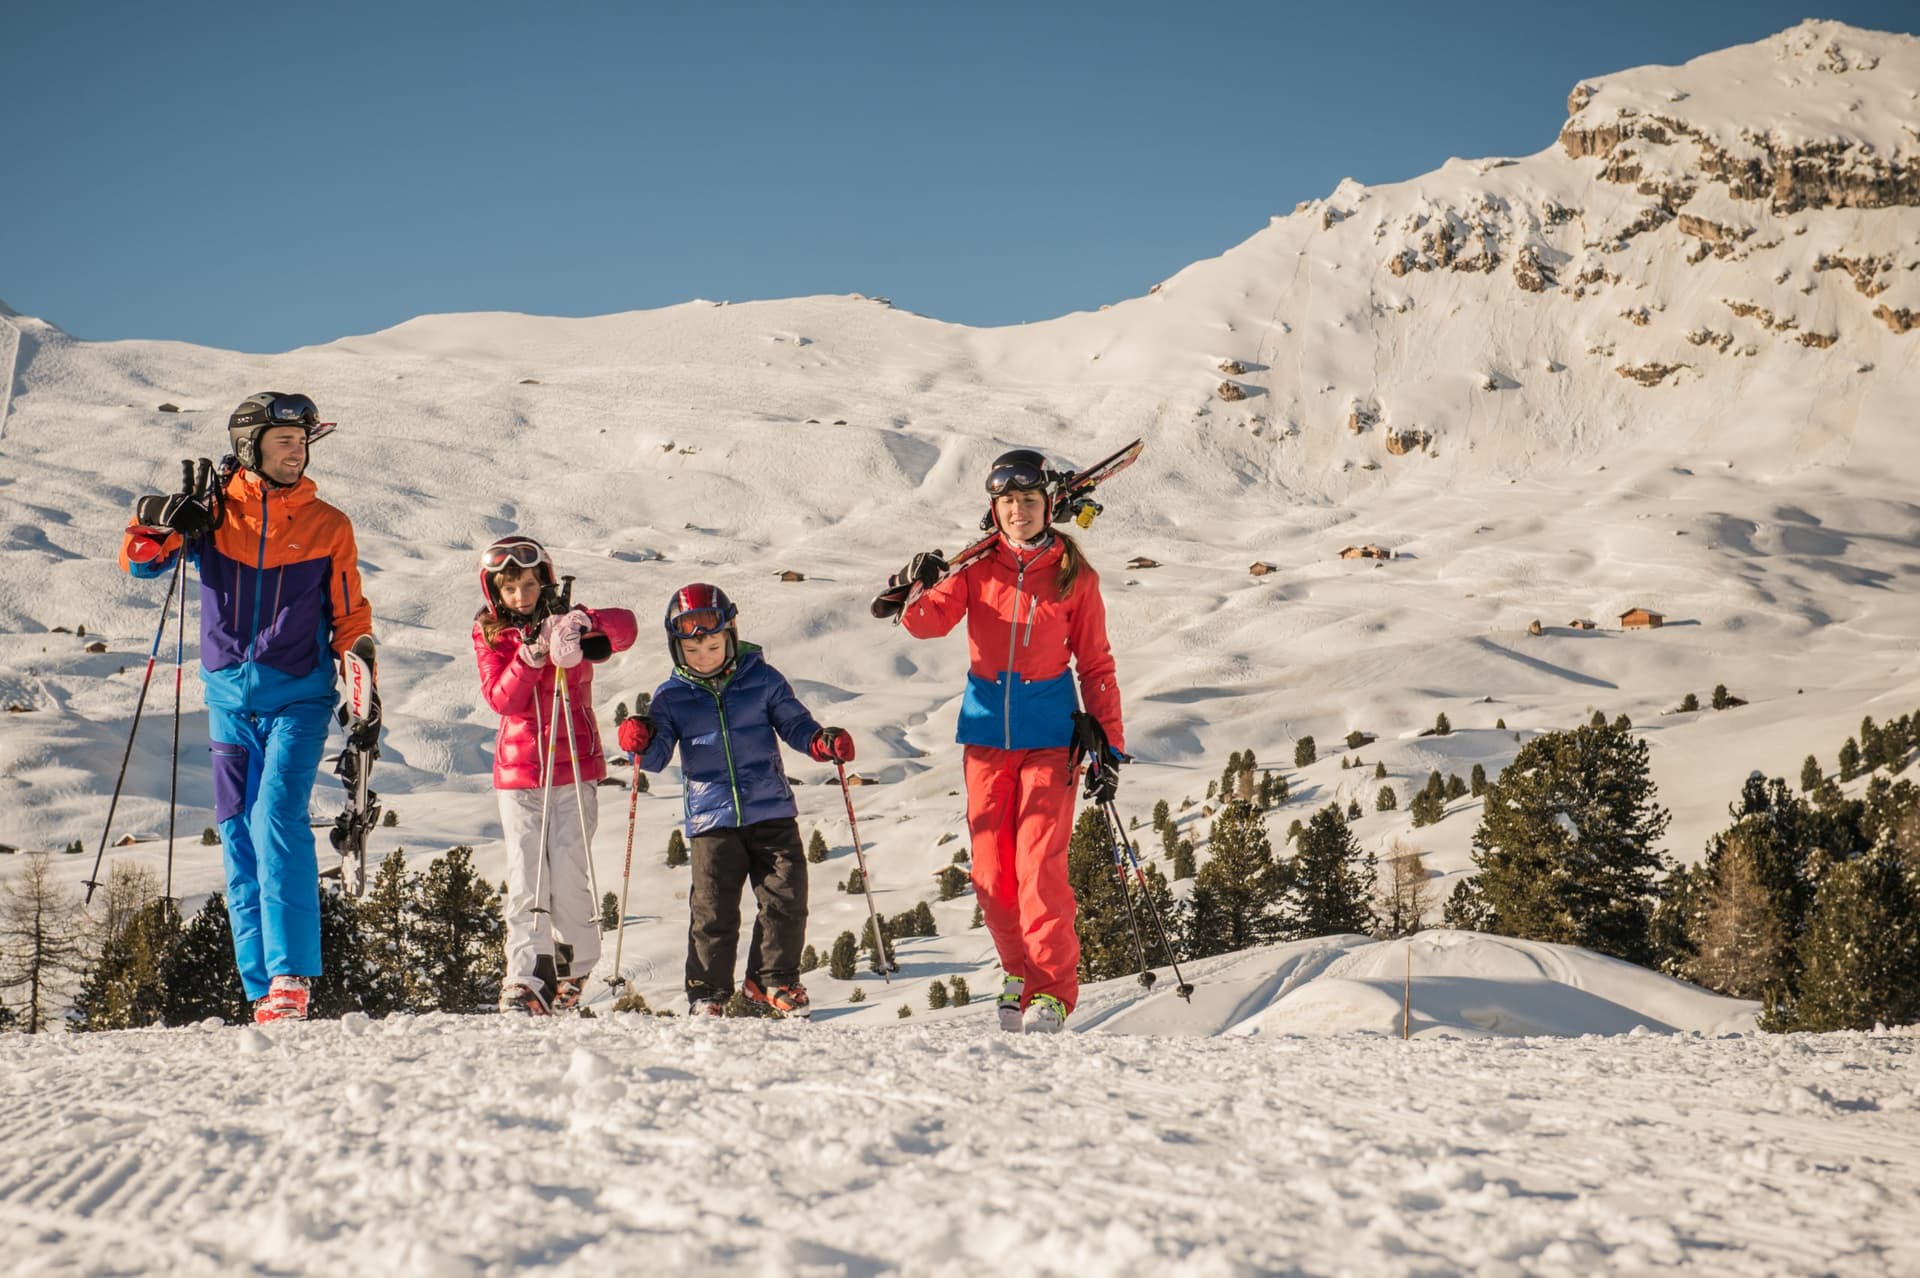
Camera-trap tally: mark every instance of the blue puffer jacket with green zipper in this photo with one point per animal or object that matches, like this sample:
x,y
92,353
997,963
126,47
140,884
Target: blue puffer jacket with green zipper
x,y
729,730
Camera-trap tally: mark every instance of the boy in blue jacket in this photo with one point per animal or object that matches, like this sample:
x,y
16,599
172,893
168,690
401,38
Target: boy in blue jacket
x,y
728,710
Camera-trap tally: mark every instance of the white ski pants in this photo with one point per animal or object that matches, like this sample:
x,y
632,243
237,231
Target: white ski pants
x,y
574,915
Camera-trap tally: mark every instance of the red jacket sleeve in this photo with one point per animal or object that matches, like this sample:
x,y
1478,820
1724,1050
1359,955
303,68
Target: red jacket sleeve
x,y
1093,657
940,606
508,683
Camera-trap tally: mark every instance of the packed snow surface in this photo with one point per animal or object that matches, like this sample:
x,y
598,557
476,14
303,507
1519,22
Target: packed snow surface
x,y
442,1145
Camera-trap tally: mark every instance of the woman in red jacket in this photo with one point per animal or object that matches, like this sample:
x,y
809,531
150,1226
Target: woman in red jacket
x,y
1031,607
549,908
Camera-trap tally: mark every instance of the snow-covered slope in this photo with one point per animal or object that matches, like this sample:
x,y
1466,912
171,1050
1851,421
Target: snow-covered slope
x,y
1434,365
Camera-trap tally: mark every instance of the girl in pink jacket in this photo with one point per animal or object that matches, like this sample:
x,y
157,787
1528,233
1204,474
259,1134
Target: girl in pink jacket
x,y
553,930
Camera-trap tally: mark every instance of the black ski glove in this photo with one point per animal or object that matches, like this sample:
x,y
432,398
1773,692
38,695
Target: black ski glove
x,y
1103,779
1103,761
924,569
176,511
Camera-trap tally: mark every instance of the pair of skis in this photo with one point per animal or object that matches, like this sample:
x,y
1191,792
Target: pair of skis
x,y
1072,494
360,715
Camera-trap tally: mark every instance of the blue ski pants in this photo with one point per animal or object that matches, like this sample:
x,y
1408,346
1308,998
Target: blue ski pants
x,y
263,771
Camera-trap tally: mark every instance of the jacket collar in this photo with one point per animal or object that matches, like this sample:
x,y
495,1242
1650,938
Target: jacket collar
x,y
250,490
744,660
1030,559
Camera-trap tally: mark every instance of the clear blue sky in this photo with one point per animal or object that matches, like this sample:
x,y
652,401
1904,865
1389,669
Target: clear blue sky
x,y
262,176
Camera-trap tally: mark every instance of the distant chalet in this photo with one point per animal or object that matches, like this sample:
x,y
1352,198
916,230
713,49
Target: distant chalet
x,y
1582,623
791,575
1366,552
1262,568
1141,561
1642,619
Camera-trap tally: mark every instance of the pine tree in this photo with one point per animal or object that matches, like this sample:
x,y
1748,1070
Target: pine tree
x,y
923,920
1242,880
610,912
1565,845
817,847
123,989
198,977
1810,775
936,995
904,1012
1280,791
1861,951
1477,782
1330,889
41,947
1243,788
1500,724
1466,910
386,929
809,958
1294,829
620,714
1621,721
1303,752
1100,917
953,881
346,972
1689,703
1386,800
209,838
1436,785
1379,772
856,881
843,956
1456,788
461,934
1599,719
961,994
979,918
1849,760
1354,810
1427,808
1160,815
676,849
1441,726
1182,860
1720,698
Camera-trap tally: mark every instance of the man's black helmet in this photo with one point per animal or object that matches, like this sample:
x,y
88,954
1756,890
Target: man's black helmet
x,y
259,413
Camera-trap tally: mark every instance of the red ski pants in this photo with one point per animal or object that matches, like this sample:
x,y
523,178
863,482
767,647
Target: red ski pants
x,y
1020,814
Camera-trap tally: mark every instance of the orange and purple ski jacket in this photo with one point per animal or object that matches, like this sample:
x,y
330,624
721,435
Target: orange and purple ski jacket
x,y
1021,636
279,593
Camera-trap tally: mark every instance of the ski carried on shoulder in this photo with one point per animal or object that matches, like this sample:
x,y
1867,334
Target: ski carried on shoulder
x,y
1073,501
360,715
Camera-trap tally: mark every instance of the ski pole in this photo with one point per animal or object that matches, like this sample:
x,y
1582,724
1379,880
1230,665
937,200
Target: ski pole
x,y
546,799
579,804
1182,986
884,959
166,607
1147,977
179,668
644,703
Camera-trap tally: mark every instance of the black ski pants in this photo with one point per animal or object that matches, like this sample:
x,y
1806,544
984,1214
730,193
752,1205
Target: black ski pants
x,y
770,856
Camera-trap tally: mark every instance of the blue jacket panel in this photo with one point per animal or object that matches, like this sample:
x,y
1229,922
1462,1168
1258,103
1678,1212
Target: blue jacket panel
x,y
728,734
1012,712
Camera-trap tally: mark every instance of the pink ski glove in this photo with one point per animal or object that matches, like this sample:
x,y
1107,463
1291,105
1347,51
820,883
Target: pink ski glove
x,y
564,635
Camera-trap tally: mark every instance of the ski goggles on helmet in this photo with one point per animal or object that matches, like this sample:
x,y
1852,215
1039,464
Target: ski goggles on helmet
x,y
513,554
291,410
1016,477
698,621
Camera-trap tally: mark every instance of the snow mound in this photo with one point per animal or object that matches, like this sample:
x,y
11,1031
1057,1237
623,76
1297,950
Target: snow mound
x,y
1463,985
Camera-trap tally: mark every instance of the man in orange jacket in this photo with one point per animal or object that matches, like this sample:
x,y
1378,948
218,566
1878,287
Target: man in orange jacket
x,y
280,603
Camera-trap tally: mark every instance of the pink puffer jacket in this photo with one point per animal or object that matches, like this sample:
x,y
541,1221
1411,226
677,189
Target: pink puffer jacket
x,y
523,696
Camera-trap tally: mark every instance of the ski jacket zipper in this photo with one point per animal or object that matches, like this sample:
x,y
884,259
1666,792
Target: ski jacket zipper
x,y
1013,635
726,744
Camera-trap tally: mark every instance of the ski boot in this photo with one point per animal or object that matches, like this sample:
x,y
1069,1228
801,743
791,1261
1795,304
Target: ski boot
x,y
1045,1015
779,1001
1007,1006
518,999
567,992
702,1007
286,1000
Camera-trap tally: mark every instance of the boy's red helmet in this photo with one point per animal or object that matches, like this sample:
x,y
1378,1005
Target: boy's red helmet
x,y
512,552
700,609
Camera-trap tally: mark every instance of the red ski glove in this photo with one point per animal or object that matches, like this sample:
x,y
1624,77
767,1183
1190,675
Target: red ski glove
x,y
635,734
830,745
